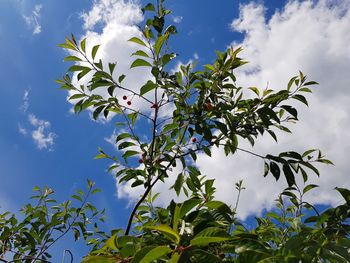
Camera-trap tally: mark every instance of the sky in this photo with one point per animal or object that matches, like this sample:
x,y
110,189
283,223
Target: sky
x,y
43,143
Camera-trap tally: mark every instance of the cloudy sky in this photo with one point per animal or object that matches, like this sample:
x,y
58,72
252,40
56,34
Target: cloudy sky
x,y
43,143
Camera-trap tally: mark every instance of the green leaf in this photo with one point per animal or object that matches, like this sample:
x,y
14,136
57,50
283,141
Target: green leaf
x,y
94,51
218,205
188,205
200,256
255,90
266,169
151,253
159,43
140,53
100,156
158,23
167,232
275,170
174,258
169,127
128,154
83,73
121,78
111,67
176,217
149,7
140,63
72,58
309,187
99,259
67,46
124,145
123,136
77,68
288,174
77,96
300,98
210,235
178,184
138,41
83,45
147,87
345,193
290,83
310,83
111,243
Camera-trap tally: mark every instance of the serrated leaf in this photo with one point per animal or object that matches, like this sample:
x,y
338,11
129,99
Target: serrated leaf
x,y
166,231
188,205
210,235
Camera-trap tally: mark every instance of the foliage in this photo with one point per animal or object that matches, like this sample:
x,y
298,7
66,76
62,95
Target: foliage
x,y
30,238
190,112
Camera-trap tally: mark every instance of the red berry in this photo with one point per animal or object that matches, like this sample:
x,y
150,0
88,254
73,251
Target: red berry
x,y
208,106
125,97
154,106
129,102
144,154
141,161
194,140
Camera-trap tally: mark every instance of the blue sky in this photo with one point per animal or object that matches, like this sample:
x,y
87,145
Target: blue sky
x,y
43,143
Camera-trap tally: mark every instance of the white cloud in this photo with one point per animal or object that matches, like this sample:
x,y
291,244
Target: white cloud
x,y
111,23
37,128
25,105
177,19
41,136
33,19
308,36
22,130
